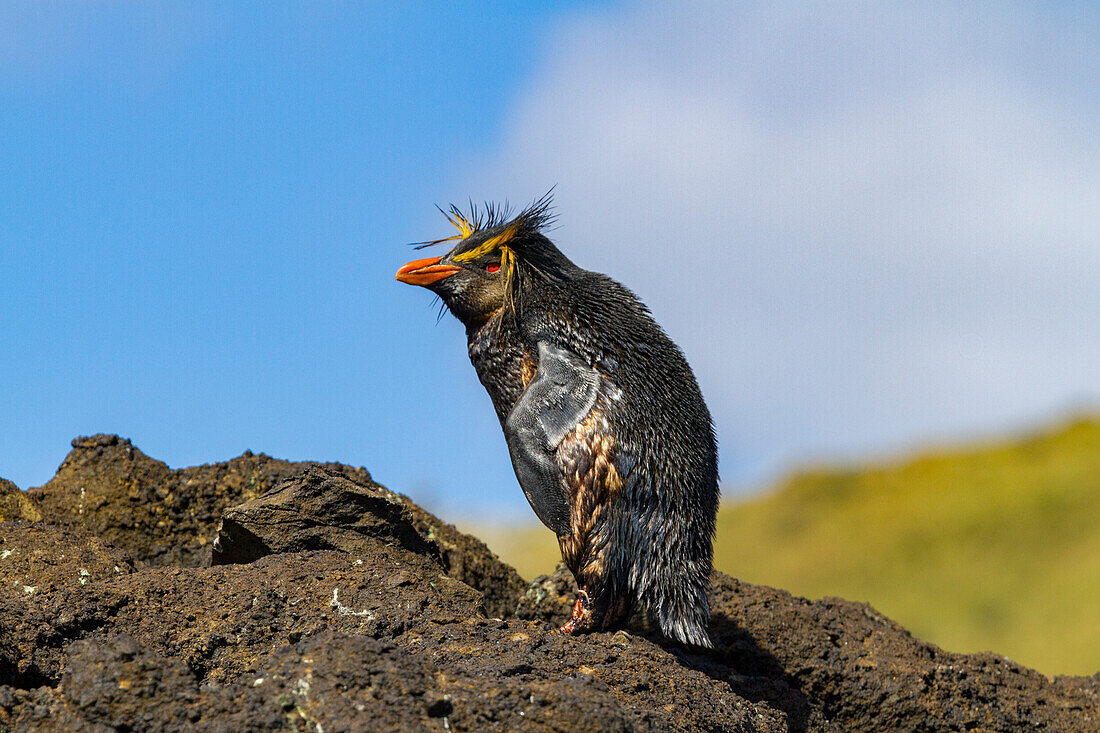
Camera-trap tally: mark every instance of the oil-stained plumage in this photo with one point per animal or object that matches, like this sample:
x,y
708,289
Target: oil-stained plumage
x,y
605,424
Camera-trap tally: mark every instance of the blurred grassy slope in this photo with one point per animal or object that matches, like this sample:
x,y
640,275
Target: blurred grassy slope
x,y
995,546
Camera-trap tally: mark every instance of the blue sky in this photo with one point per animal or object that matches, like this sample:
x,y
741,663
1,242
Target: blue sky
x,y
867,227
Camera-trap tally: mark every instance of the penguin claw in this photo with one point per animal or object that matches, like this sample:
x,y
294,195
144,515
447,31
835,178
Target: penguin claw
x,y
582,616
586,616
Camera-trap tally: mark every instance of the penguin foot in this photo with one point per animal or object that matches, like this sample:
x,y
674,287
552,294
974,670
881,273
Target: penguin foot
x,y
582,617
587,616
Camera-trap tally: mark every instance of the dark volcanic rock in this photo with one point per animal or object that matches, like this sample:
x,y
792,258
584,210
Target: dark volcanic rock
x,y
15,505
47,581
336,681
163,516
863,671
346,607
549,598
220,621
321,509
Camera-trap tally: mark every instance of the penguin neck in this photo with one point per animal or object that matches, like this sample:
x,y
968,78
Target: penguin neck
x,y
502,361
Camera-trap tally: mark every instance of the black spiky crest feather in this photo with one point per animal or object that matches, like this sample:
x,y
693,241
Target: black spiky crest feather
x,y
491,217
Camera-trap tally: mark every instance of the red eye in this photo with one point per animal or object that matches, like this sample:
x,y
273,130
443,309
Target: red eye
x,y
493,267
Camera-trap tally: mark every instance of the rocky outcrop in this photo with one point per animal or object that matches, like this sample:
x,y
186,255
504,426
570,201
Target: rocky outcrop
x,y
110,488
329,603
326,508
15,505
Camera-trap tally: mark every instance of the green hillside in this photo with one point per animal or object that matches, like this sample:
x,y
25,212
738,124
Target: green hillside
x,y
988,547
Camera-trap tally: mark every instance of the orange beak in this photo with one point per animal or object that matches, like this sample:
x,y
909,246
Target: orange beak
x,y
425,272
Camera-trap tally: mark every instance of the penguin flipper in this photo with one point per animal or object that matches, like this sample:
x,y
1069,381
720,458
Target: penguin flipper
x,y
560,395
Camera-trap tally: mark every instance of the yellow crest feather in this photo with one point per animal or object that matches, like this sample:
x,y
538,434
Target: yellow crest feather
x,y
461,223
489,245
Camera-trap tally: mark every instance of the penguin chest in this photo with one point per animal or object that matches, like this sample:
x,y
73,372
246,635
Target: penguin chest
x,y
596,474
562,447
587,458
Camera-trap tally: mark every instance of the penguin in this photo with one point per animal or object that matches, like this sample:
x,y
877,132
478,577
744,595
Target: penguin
x,y
606,426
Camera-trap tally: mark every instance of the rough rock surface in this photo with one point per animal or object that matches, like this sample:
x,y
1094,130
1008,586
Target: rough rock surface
x,y
334,605
162,516
322,508
15,505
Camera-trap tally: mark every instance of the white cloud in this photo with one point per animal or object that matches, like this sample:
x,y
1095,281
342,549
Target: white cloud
x,y
865,226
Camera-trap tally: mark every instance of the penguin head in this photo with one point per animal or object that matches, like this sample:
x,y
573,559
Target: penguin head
x,y
494,259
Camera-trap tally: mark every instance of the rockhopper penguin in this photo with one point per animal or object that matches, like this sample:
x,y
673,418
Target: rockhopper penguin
x,y
607,429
